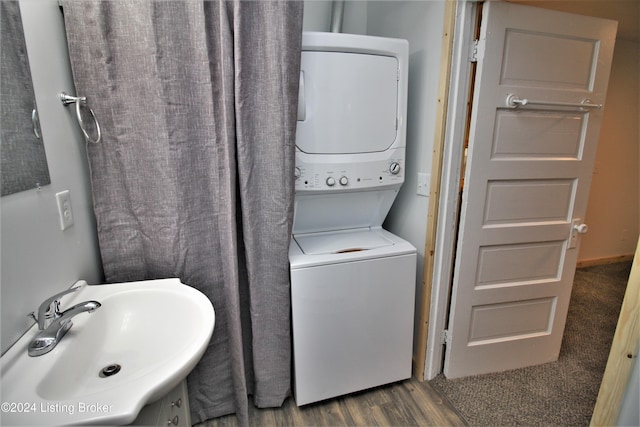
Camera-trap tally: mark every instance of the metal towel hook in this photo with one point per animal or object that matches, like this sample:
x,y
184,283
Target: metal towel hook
x,y
78,100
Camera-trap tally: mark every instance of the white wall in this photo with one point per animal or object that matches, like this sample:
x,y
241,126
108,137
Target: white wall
x,y
38,259
317,16
421,23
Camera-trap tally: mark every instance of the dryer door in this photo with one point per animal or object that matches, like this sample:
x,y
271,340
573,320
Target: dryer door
x,y
350,102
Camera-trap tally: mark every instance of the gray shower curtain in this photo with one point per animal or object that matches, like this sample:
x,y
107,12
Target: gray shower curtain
x,y
193,177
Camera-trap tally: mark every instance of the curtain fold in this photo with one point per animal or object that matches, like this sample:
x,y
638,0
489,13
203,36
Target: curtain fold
x,y
193,178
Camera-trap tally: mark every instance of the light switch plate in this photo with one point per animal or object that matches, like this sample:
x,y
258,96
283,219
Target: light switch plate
x,y
64,209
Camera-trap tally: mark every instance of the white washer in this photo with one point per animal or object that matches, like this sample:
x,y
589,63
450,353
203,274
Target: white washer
x,y
352,311
352,282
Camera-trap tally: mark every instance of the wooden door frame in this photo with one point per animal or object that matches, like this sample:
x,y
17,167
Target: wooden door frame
x,y
624,352
449,142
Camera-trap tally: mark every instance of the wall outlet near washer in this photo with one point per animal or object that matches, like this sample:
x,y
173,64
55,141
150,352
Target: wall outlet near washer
x,y
423,184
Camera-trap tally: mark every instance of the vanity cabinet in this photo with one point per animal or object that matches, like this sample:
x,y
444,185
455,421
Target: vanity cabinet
x,y
171,410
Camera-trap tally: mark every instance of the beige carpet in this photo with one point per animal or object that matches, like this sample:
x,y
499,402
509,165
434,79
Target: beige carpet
x,y
561,393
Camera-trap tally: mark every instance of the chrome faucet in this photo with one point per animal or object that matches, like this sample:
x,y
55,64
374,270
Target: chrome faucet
x,y
50,309
52,332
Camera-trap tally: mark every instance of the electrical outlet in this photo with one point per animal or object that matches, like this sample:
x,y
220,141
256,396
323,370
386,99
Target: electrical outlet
x,y
423,184
64,209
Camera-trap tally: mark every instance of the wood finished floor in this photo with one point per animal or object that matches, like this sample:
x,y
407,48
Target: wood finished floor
x,y
406,403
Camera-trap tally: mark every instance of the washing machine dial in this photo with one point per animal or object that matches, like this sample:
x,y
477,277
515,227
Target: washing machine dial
x,y
331,181
344,180
394,168
297,173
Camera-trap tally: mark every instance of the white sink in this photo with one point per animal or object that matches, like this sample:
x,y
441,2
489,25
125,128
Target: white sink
x,y
155,330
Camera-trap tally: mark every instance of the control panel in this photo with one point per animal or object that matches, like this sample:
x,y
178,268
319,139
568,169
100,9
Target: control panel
x,y
324,176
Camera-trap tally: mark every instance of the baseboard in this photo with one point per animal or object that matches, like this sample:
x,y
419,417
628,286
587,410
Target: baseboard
x,y
602,261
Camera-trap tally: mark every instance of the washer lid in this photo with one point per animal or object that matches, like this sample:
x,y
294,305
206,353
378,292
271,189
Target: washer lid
x,y
343,241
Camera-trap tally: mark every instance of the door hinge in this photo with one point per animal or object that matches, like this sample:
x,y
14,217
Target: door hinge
x,y
445,337
477,50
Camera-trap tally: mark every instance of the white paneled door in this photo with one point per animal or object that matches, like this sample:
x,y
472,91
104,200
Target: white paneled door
x,y
541,80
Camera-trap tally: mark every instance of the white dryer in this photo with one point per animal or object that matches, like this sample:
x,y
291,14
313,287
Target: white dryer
x,y
352,282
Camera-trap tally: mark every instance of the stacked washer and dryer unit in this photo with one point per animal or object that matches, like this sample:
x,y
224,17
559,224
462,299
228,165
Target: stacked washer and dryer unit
x,y
352,282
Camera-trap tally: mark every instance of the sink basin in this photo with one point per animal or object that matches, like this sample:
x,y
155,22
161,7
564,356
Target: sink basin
x,y
151,333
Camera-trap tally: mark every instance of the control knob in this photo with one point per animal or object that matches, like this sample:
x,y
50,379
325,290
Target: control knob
x,y
297,173
344,180
331,181
394,168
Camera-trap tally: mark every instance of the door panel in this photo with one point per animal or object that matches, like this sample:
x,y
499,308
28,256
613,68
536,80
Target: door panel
x,y
562,61
532,319
524,201
528,175
513,265
522,135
